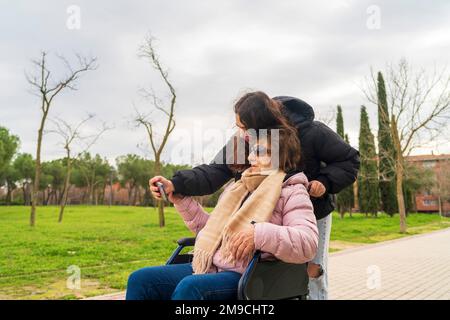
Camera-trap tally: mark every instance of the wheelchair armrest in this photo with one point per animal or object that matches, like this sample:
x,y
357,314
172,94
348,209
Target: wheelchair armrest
x,y
176,256
186,242
273,280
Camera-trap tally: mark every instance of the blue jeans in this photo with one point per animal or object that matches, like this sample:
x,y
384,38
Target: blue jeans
x,y
176,282
318,287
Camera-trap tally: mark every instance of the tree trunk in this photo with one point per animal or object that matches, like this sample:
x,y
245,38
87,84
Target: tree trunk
x,y
83,197
54,197
66,189
37,175
95,196
162,222
102,200
61,193
111,195
399,176
91,193
8,195
24,192
440,205
136,195
355,195
400,198
413,203
44,197
130,193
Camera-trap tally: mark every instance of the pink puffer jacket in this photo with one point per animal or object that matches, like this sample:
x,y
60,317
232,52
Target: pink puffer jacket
x,y
291,234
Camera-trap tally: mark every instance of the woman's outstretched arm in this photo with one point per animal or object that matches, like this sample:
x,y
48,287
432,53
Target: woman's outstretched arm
x,y
193,214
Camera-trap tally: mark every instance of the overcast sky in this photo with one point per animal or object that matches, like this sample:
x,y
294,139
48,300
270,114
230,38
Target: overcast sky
x,y
215,50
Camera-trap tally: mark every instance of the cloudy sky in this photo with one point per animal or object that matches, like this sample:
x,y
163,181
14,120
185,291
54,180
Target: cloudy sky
x,y
214,50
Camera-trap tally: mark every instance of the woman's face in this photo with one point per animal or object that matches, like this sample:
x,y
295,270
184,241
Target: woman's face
x,y
259,156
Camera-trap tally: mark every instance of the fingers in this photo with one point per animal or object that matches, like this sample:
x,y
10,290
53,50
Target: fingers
x,y
168,185
320,190
316,188
241,244
247,252
234,243
154,180
153,188
313,270
243,247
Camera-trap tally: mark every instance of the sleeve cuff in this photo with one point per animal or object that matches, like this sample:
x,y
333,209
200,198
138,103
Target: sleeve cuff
x,y
177,184
259,235
179,201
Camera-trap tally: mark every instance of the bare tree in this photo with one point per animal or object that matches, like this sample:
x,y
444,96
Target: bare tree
x,y
43,86
327,117
71,134
419,107
147,51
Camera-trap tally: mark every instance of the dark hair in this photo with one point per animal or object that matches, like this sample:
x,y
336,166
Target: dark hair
x,y
257,111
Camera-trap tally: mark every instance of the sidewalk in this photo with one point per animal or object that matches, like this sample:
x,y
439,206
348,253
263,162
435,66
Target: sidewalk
x,y
414,267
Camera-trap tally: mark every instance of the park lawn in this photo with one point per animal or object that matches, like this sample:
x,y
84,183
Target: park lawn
x,y
106,244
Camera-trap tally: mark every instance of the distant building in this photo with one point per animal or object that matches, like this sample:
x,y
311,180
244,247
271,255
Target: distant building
x,y
429,200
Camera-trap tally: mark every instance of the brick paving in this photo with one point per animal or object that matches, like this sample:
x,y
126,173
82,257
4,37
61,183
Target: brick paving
x,y
415,267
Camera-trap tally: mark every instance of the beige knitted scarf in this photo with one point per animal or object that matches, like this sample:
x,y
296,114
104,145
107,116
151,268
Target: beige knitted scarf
x,y
229,217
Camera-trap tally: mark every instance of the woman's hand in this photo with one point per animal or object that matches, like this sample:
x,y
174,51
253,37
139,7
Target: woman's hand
x,y
168,187
242,243
316,189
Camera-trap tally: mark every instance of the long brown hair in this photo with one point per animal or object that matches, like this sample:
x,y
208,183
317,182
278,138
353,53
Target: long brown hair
x,y
257,111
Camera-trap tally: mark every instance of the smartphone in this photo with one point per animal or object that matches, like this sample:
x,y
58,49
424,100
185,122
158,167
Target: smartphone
x,y
161,190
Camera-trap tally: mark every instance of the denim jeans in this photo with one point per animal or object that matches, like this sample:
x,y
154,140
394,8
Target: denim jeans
x,y
318,287
176,282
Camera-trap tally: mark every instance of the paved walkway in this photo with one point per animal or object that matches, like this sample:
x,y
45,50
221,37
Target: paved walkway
x,y
415,267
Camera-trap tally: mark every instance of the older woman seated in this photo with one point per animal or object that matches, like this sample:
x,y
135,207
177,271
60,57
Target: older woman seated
x,y
267,210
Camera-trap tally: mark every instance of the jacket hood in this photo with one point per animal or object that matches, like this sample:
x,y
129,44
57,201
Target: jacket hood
x,y
298,178
297,111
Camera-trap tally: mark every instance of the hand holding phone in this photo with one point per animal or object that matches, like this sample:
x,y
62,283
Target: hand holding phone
x,y
161,190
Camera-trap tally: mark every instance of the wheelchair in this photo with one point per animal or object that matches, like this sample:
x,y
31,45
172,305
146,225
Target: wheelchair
x,y
262,280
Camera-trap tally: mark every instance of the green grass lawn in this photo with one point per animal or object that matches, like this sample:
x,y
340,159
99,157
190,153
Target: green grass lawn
x,y
109,243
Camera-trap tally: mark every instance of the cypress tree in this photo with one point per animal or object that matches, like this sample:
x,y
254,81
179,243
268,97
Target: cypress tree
x,y
368,192
345,197
349,189
386,152
340,122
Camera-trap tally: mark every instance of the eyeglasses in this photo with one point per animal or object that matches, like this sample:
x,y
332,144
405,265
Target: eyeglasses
x,y
259,150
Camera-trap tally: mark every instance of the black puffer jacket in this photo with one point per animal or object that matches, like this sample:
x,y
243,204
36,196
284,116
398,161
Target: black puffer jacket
x,y
325,157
